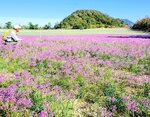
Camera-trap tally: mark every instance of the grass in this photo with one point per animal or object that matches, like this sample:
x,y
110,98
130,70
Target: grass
x,y
77,31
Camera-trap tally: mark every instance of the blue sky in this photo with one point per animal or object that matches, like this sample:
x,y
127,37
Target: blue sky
x,y
44,11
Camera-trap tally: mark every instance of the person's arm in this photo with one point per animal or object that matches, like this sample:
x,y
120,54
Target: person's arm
x,y
14,36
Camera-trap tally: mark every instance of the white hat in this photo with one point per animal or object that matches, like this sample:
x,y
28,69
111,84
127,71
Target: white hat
x,y
16,26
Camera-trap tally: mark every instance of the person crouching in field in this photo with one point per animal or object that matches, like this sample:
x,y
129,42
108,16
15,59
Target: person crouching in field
x,y
11,36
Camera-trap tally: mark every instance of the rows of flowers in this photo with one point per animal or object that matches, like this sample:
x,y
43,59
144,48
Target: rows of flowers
x,y
75,76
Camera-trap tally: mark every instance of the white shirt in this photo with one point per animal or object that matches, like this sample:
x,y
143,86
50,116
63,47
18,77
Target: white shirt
x,y
12,36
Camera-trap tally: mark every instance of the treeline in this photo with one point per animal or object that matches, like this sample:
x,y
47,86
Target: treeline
x,y
86,19
8,25
143,24
89,19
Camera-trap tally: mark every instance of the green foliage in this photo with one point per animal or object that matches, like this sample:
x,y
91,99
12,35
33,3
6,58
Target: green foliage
x,y
44,66
63,108
8,25
56,65
2,63
101,91
32,26
47,26
2,113
105,56
63,82
80,80
146,63
37,100
56,25
118,102
143,24
146,88
24,113
89,19
92,93
134,68
13,65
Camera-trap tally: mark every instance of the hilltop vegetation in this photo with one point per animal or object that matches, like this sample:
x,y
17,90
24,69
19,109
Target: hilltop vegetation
x,y
89,19
143,24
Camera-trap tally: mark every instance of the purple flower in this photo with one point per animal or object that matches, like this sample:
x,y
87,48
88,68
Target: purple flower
x,y
23,102
114,108
113,99
133,106
43,114
146,104
1,78
106,113
17,74
126,98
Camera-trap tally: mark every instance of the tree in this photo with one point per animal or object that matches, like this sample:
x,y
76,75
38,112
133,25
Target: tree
x,y
143,24
57,25
8,25
47,26
32,26
36,26
24,27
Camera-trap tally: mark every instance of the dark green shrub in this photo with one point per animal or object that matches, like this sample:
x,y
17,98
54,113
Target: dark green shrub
x,y
143,24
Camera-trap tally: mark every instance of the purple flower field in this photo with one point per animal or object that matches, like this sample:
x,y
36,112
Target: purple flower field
x,y
93,75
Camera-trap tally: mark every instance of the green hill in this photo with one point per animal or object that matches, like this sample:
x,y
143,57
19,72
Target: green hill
x,y
89,19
